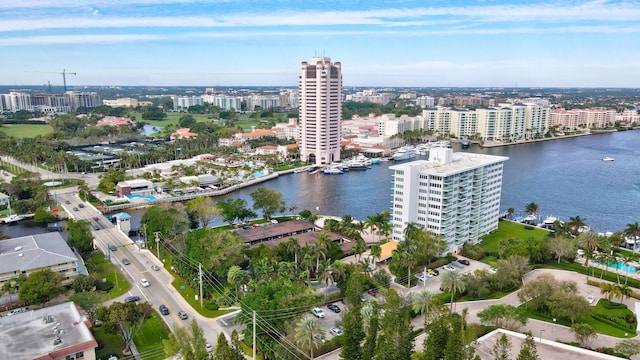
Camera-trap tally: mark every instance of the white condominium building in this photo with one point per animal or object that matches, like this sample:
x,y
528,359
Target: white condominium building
x,y
182,103
320,92
456,195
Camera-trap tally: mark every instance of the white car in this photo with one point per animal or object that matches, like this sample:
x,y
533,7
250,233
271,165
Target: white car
x,y
317,312
208,347
449,268
492,270
591,299
144,282
335,331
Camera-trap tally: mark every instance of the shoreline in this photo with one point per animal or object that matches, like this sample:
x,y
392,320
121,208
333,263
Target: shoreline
x,y
500,144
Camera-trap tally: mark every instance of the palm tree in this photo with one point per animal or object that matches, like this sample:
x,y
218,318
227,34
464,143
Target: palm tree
x,y
633,232
589,242
371,224
359,248
575,224
625,290
309,334
531,209
452,280
236,276
607,290
421,303
510,212
626,261
376,251
325,275
292,246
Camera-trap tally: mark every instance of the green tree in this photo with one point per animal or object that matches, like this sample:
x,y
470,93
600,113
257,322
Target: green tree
x,y
234,209
42,216
80,236
562,247
309,334
583,333
167,219
423,303
589,242
397,343
186,121
576,223
237,277
628,347
83,283
511,270
110,179
372,330
124,319
352,323
88,301
40,287
187,342
202,209
531,209
502,348
504,316
217,251
528,351
269,201
436,340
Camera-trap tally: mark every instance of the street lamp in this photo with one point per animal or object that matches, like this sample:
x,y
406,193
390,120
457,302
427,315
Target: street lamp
x,y
541,331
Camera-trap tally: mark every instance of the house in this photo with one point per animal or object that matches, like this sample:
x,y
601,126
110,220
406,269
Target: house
x,y
57,332
183,133
28,254
115,121
134,187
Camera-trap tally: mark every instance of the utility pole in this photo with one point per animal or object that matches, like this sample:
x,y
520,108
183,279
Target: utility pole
x,y
200,277
254,335
157,234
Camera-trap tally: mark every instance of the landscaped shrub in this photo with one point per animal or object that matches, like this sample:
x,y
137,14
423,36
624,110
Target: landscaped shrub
x,y
212,305
611,322
472,251
105,285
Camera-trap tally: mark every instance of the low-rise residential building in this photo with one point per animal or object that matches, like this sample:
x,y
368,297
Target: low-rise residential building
x,y
183,133
134,187
56,332
115,121
29,254
582,118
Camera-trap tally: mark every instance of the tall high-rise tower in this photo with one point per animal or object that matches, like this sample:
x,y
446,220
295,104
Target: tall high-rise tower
x,y
320,108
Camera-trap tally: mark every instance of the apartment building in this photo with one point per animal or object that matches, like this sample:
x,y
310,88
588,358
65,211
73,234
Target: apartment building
x,y
588,118
456,195
320,98
182,103
29,254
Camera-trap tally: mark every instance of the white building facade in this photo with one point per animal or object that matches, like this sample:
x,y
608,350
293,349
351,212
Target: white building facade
x,y
456,195
320,97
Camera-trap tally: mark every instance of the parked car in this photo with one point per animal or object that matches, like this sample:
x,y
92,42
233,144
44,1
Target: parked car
x,y
126,261
81,205
113,248
456,264
335,331
208,347
67,202
317,312
155,267
131,299
333,307
183,315
449,268
492,270
433,272
464,261
373,292
164,310
591,299
144,282
75,209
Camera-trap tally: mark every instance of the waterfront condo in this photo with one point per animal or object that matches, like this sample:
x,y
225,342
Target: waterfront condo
x,y
456,195
320,108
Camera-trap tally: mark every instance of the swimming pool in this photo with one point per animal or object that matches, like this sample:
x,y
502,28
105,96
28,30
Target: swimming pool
x,y
621,266
146,197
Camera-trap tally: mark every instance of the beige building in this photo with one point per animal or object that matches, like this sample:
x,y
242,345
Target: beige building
x,y
320,109
56,332
121,102
29,254
585,119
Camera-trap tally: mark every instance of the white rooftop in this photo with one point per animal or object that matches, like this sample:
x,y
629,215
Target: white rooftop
x,y
445,162
32,334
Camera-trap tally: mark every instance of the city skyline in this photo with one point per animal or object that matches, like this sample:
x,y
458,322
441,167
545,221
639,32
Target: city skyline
x,y
386,43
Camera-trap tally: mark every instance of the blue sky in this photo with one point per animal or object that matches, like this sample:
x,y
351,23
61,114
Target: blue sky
x,y
543,43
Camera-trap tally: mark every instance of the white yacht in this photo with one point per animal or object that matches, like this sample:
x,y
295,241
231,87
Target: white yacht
x,y
608,158
404,153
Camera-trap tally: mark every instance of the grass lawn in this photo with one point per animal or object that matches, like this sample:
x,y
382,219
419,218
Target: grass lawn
x,y
26,130
600,326
189,295
107,270
149,339
112,344
510,230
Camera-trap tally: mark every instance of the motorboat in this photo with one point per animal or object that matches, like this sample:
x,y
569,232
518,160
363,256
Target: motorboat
x,y
13,218
423,149
359,162
404,153
608,158
332,171
465,143
548,223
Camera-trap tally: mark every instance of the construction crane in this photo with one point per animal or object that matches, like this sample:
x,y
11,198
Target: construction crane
x,y
64,78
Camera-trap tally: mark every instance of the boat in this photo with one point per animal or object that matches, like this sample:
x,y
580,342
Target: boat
x,y
359,162
12,218
332,171
548,223
465,143
375,161
404,153
423,149
608,158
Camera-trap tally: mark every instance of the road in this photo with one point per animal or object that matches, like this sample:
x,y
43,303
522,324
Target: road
x,y
92,180
160,290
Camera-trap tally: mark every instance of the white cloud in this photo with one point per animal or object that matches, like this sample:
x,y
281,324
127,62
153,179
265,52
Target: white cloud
x,y
75,39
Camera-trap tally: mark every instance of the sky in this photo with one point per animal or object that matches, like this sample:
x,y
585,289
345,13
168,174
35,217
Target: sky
x,y
435,43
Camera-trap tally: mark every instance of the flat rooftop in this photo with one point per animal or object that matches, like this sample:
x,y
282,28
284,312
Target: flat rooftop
x,y
547,349
460,162
32,334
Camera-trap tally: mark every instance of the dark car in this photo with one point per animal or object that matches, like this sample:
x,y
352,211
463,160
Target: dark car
x,y
164,310
113,248
80,205
183,315
373,292
464,261
125,261
155,267
333,307
131,299
75,209
67,202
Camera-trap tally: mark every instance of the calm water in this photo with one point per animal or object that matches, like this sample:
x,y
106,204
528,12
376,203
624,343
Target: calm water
x,y
564,177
